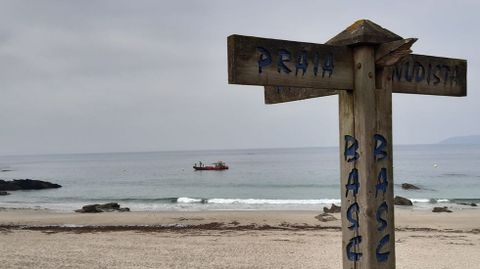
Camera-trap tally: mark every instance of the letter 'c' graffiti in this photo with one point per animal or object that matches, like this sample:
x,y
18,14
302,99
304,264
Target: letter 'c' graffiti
x,y
382,256
351,255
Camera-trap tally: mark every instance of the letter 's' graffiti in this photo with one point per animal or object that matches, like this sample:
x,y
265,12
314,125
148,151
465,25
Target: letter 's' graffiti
x,y
353,209
383,208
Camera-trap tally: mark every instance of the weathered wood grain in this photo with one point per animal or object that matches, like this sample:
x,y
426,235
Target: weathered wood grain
x,y
363,32
390,53
272,62
421,74
365,113
413,74
278,94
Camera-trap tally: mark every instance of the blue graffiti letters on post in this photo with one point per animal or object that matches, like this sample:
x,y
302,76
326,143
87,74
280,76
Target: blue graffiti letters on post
x,y
283,56
382,256
382,182
264,59
328,65
302,63
353,209
382,222
354,256
352,184
380,150
351,147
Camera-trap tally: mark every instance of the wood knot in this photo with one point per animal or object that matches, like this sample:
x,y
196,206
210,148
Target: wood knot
x,y
370,75
359,65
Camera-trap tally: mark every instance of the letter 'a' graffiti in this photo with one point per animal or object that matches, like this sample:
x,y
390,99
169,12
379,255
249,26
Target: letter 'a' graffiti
x,y
352,184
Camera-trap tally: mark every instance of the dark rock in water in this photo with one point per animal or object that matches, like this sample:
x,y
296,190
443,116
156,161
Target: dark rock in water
x,y
97,208
441,209
333,209
470,204
408,186
4,193
324,217
26,184
399,200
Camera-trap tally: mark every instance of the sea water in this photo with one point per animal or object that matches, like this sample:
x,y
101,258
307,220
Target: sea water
x,y
258,179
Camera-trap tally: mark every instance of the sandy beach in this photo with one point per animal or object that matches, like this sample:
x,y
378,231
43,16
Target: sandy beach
x,y
223,239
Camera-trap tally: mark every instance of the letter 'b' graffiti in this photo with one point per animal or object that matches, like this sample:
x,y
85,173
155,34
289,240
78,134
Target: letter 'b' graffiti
x,y
380,150
351,147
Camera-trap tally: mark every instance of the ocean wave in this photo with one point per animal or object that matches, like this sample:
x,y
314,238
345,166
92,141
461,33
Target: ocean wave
x,y
273,201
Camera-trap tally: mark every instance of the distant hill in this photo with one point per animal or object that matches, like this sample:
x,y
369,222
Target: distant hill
x,y
469,139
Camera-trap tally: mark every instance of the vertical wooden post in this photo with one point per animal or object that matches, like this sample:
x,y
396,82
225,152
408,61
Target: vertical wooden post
x,y
366,168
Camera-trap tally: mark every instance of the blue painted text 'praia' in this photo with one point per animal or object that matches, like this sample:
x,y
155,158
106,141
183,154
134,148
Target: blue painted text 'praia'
x,y
286,62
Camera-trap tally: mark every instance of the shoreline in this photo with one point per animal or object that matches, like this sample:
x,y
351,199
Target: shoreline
x,y
405,218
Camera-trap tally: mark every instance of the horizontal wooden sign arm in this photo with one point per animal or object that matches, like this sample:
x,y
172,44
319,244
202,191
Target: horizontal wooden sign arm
x,y
278,94
273,62
412,74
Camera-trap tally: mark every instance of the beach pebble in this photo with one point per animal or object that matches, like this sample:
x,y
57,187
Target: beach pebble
x,y
324,217
4,193
441,209
399,200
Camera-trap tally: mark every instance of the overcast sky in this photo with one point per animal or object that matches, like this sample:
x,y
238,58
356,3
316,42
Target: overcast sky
x,y
110,76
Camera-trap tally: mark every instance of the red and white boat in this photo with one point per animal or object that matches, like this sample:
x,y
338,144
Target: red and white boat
x,y
215,166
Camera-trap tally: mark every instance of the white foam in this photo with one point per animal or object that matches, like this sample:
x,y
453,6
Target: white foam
x,y
273,201
188,200
420,200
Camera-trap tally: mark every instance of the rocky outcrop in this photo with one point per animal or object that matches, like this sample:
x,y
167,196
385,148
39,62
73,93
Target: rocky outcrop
x,y
324,217
408,186
26,184
468,204
333,209
441,209
399,200
2,193
98,208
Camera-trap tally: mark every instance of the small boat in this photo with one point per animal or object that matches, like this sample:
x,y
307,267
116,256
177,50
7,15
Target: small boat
x,y
215,166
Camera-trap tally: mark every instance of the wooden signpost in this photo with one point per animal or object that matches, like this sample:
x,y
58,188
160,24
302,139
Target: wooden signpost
x,y
363,64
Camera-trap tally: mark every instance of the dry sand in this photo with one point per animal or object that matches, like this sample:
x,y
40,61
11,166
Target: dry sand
x,y
226,239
